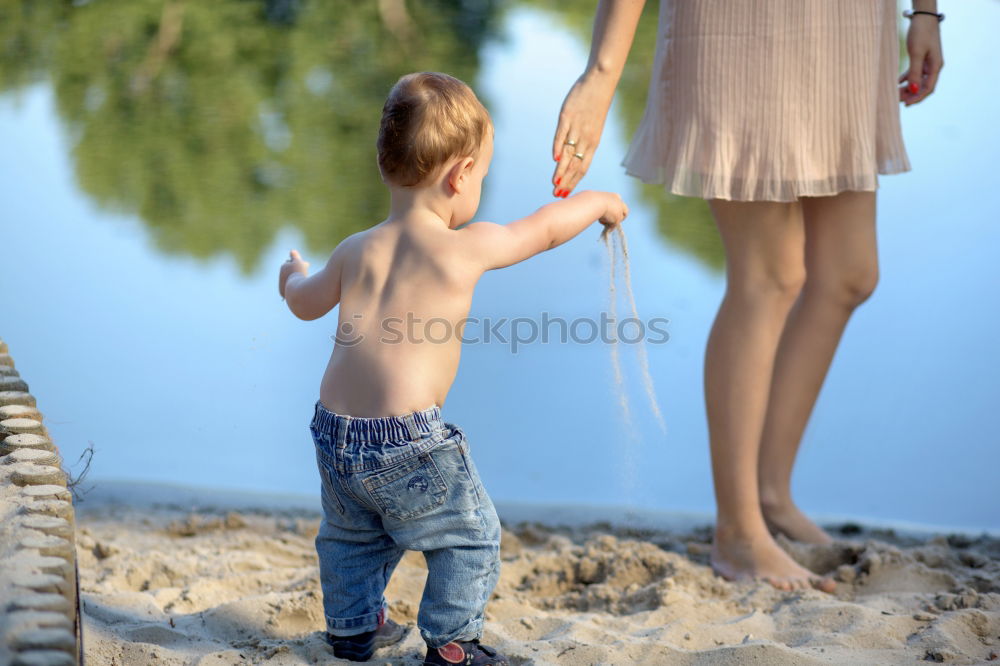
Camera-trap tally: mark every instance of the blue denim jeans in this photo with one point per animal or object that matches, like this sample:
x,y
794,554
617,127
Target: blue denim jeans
x,y
395,484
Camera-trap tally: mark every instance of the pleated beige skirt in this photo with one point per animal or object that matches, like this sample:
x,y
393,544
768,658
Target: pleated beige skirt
x,y
771,100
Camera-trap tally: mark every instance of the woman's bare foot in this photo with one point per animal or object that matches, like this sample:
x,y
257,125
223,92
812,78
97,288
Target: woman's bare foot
x,y
760,558
785,518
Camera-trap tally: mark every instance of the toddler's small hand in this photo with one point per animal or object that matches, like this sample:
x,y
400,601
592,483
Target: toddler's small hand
x,y
294,264
616,212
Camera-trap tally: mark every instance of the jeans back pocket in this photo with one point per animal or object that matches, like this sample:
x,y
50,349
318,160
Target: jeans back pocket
x,y
408,490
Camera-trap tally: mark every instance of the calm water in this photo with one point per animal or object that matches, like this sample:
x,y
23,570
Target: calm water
x,y
152,186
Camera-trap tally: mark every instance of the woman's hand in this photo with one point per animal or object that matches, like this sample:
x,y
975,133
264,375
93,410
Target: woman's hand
x,y
923,42
581,121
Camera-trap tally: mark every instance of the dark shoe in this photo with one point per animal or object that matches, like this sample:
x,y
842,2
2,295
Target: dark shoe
x,y
467,653
360,647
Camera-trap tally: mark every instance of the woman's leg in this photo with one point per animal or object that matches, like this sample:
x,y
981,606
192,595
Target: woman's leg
x,y
765,270
841,271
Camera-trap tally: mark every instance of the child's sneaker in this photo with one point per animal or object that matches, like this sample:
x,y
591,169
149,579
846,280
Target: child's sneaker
x,y
390,633
360,647
468,653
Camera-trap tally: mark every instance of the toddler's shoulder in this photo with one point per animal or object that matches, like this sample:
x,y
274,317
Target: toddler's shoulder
x,y
353,244
479,234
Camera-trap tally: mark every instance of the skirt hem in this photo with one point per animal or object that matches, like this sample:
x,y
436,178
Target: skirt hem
x,y
706,187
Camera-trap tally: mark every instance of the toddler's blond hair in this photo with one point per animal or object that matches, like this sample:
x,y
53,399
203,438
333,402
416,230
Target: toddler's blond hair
x,y
428,119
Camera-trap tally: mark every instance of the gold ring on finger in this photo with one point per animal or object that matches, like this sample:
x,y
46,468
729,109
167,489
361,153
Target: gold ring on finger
x,y
570,142
578,156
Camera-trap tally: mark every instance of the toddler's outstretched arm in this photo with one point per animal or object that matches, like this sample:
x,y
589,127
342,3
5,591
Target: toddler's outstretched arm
x,y
309,296
497,246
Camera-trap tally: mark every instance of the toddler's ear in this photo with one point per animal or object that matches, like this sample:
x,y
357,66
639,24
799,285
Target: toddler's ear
x,y
459,174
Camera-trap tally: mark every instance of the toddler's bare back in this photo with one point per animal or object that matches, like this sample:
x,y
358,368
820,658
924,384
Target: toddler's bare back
x,y
403,294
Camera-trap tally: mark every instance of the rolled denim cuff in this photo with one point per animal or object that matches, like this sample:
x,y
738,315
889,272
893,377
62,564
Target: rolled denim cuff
x,y
349,626
470,632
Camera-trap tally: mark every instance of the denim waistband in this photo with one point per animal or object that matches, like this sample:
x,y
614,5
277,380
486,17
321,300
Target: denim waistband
x,y
408,427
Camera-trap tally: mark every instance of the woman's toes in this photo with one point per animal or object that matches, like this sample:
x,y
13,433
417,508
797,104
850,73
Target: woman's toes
x,y
823,584
779,583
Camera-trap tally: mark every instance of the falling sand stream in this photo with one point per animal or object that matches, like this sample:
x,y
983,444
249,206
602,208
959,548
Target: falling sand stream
x,y
613,237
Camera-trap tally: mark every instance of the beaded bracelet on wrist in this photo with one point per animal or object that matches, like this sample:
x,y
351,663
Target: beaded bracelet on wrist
x,y
910,13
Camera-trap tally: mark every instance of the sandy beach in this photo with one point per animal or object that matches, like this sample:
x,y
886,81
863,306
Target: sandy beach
x,y
162,584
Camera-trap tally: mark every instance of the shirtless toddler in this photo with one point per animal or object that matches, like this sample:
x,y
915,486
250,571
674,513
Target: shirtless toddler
x,y
395,476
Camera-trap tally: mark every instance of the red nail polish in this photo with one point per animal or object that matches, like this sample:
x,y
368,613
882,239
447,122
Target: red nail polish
x,y
558,180
914,88
558,157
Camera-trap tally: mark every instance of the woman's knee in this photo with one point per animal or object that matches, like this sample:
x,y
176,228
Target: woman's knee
x,y
765,250
779,285
849,287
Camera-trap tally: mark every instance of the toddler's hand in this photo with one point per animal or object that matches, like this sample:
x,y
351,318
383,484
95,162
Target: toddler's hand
x,y
616,211
294,264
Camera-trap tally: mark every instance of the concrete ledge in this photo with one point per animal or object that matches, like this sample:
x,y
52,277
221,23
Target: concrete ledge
x,y
39,594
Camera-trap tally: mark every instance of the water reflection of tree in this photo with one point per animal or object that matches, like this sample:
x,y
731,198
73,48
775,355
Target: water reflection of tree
x,y
685,222
219,123
25,41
